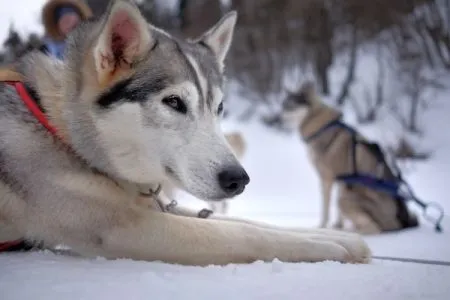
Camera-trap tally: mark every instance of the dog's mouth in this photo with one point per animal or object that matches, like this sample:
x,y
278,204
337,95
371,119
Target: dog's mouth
x,y
232,182
235,193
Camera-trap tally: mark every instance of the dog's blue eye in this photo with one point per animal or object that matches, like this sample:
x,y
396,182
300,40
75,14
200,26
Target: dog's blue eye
x,y
220,108
176,103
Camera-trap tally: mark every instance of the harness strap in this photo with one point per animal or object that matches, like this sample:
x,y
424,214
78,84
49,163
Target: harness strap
x,y
5,246
414,260
333,123
353,153
32,106
338,123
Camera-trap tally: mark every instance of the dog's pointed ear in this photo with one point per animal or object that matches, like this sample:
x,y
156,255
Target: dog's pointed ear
x,y
124,38
219,37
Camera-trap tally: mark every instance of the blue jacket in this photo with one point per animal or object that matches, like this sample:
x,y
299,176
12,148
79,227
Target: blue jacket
x,y
54,48
53,43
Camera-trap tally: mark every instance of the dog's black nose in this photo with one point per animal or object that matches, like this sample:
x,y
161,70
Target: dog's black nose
x,y
233,180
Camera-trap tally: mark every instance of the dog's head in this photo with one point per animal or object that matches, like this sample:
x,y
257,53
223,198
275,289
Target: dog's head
x,y
146,107
297,105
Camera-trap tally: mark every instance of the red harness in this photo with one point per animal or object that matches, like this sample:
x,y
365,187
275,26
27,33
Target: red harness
x,y
39,115
31,105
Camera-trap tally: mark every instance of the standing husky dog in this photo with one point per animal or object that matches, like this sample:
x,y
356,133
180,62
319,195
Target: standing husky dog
x,y
369,211
131,107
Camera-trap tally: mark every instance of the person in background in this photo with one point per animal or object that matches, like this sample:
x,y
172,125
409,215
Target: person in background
x,y
59,18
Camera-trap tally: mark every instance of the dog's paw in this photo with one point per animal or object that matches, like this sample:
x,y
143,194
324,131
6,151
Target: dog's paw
x,y
358,249
356,246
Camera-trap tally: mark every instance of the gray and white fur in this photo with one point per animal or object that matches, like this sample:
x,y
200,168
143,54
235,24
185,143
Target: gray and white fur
x,y
133,108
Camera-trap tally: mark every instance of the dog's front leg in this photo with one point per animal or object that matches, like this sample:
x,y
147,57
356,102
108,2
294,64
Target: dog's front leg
x,y
192,241
326,198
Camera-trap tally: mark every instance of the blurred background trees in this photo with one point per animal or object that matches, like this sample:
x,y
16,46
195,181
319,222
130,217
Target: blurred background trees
x,y
281,42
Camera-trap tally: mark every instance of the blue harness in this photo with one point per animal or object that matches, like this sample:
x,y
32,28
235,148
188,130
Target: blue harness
x,y
398,188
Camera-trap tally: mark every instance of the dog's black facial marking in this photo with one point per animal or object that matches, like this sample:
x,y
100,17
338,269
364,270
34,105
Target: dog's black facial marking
x,y
116,93
125,91
294,101
301,99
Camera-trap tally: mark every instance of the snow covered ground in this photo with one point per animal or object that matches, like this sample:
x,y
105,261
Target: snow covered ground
x,y
284,190
46,276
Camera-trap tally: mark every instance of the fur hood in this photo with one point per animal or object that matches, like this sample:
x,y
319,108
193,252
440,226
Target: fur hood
x,y
7,73
48,16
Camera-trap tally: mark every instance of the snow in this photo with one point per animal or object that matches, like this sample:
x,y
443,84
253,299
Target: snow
x,y
284,190
24,14
46,276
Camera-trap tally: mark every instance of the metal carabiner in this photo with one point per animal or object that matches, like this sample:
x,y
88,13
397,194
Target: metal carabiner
x,y
434,213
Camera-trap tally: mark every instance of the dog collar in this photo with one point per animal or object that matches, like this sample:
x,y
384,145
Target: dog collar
x,y
30,103
337,122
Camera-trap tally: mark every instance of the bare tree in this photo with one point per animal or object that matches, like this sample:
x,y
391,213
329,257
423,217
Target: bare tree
x,y
368,105
15,46
417,83
350,77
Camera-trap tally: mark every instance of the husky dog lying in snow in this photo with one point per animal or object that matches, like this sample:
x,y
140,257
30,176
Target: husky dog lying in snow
x,y
129,108
336,149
